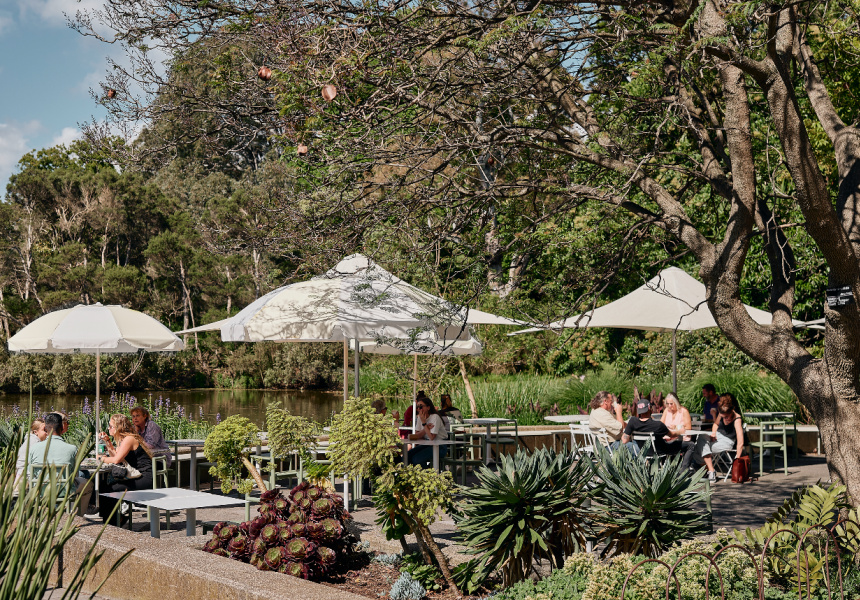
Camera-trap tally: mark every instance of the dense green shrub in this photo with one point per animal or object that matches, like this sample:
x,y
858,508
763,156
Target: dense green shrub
x,y
362,440
229,446
532,509
644,506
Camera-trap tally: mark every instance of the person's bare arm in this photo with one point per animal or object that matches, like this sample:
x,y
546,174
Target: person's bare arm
x,y
739,433
688,421
118,455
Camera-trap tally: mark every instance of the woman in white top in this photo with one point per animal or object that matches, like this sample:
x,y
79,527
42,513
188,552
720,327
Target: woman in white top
x,y
37,434
429,427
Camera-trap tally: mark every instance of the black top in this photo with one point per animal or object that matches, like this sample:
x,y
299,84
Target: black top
x,y
728,429
140,460
636,426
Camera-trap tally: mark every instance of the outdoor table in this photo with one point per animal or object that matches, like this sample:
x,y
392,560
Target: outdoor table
x,y
568,418
697,432
194,445
489,422
435,443
174,499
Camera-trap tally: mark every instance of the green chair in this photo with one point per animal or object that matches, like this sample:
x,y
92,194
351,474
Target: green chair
x,y
768,430
281,467
160,469
54,480
503,433
464,455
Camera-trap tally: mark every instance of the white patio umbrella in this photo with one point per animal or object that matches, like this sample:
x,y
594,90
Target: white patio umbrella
x,y
671,301
95,329
424,347
355,300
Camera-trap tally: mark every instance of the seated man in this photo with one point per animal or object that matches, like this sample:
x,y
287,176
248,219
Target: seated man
x,y
606,415
643,424
60,453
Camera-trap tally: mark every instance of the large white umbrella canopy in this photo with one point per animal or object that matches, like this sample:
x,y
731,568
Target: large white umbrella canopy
x,y
95,329
671,301
356,299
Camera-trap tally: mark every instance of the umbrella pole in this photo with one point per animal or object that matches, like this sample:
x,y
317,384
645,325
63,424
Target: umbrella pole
x,y
355,385
345,370
414,393
98,424
675,362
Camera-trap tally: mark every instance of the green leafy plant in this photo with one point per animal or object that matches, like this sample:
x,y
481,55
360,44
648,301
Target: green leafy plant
x,y
420,571
804,509
644,506
534,508
362,440
34,529
408,499
229,446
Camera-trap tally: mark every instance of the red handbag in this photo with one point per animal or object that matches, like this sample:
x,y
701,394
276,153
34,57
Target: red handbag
x,y
741,469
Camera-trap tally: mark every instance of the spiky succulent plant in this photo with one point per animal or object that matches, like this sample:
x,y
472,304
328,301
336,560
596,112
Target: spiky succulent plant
x,y
314,492
322,507
299,548
327,556
332,528
271,534
239,545
256,526
228,531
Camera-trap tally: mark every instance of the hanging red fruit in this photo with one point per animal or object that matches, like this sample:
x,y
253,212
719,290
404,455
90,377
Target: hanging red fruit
x,y
111,93
265,73
329,92
302,149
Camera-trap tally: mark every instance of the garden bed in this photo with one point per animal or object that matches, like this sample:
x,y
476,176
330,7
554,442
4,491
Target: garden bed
x,y
375,581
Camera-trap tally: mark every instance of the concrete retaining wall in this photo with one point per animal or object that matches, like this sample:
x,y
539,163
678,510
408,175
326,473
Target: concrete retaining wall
x,y
175,569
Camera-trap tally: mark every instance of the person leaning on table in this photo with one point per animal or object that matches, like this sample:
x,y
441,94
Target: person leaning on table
x,y
430,427
129,447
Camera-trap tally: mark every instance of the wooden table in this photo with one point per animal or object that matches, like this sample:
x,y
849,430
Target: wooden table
x,y
173,499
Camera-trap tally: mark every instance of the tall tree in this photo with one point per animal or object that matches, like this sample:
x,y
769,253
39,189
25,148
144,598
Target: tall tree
x,y
722,125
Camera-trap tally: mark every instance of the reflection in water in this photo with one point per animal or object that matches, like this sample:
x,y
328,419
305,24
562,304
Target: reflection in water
x,y
314,405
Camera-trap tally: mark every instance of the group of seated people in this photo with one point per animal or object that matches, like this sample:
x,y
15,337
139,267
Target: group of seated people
x,y
721,411
430,424
133,440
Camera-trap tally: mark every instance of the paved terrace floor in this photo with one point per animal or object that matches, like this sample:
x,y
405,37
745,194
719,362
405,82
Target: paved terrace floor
x,y
735,506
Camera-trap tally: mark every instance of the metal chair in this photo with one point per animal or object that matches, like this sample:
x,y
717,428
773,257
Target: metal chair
x,y
462,456
584,431
768,430
55,480
276,468
500,435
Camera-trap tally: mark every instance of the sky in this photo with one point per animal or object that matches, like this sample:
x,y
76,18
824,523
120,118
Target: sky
x,y
46,71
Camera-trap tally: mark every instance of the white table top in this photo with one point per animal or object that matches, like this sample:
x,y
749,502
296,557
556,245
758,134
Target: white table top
x,y
769,415
567,418
436,442
175,498
488,421
697,432
195,443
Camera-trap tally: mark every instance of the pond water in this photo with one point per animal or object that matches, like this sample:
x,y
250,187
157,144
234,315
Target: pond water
x,y
315,405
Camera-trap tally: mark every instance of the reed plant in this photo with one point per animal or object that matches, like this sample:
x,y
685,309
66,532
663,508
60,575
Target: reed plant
x,y
34,529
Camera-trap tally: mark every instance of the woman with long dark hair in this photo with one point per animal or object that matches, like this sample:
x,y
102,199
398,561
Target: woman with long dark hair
x,y
430,427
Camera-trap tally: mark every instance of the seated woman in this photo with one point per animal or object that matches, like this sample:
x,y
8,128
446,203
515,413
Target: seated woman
x,y
448,411
130,447
727,433
37,434
430,427
677,419
151,433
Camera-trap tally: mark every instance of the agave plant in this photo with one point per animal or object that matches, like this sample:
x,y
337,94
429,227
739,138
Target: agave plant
x,y
643,506
534,508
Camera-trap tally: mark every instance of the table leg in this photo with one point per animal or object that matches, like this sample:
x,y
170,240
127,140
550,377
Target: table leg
x,y
405,451
436,458
154,522
193,468
190,522
487,446
178,470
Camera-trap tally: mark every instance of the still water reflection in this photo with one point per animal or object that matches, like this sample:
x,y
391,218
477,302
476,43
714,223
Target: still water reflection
x,y
315,405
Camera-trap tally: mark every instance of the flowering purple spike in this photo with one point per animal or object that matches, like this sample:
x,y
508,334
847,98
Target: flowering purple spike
x,y
217,418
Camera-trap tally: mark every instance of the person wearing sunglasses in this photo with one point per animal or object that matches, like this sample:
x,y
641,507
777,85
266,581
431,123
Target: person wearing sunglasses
x,y
429,427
